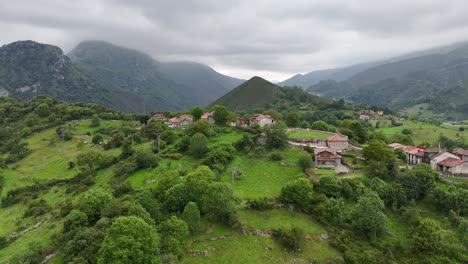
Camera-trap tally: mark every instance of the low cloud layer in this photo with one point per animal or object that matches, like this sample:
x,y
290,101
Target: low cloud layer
x,y
273,39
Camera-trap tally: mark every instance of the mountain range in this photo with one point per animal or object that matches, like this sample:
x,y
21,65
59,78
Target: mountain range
x,y
100,72
427,76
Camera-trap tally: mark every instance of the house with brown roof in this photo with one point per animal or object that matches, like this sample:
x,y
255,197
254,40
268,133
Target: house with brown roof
x,y
186,120
337,142
241,121
430,152
326,158
173,122
396,146
181,121
453,166
209,116
158,117
462,153
262,120
364,117
414,155
439,157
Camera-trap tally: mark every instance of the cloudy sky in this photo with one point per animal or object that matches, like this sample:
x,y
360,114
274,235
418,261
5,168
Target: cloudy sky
x,y
273,39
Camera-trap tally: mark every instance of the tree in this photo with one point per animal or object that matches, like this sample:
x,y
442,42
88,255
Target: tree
x,y
130,240
75,219
199,145
95,121
418,181
380,158
202,126
173,233
43,110
320,125
197,182
97,138
427,237
273,113
127,149
305,161
276,136
191,216
145,159
367,216
196,112
93,202
220,114
245,143
330,186
298,193
292,119
219,202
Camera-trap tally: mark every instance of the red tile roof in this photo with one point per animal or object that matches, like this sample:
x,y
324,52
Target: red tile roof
x,y
396,145
462,152
337,138
320,150
451,162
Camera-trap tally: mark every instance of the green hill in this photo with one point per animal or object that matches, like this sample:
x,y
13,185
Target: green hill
x,y
254,93
29,69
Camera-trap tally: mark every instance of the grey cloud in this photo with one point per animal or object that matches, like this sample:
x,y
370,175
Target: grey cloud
x,y
244,38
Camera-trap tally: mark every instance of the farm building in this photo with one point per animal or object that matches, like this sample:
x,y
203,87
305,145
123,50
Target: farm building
x,y
326,158
209,116
441,156
453,166
262,120
462,153
337,142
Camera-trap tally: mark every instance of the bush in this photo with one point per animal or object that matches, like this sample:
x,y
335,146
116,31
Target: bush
x,y
305,161
97,139
290,239
145,159
276,156
260,204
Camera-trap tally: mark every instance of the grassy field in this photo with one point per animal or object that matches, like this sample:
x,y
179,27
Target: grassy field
x,y
240,248
307,134
260,177
423,132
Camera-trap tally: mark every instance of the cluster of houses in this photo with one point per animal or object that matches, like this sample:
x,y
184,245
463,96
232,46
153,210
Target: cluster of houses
x,y
187,120
449,163
366,114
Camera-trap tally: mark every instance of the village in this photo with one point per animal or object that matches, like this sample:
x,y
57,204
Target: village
x,y
328,151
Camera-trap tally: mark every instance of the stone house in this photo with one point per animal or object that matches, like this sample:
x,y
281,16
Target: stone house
x,y
453,166
326,158
209,116
173,122
462,153
396,146
262,120
441,156
183,120
364,117
158,117
186,120
337,142
414,155
241,121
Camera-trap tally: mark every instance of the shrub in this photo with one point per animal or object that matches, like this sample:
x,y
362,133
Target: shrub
x,y
276,156
260,204
305,161
290,239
